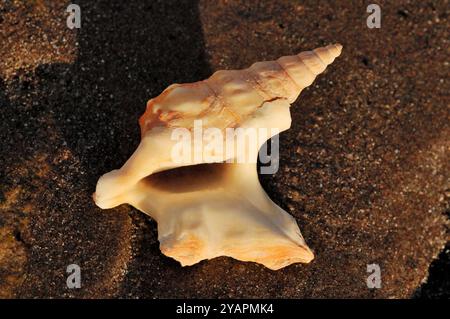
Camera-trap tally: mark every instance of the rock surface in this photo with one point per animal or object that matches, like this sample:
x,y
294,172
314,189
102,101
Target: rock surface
x,y
364,168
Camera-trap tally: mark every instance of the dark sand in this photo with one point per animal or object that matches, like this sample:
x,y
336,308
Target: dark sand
x,y
364,168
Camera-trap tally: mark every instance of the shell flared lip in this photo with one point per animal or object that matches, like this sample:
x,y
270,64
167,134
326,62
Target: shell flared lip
x,y
302,254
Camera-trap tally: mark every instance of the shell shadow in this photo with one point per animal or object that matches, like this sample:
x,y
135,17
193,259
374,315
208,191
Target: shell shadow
x,y
128,52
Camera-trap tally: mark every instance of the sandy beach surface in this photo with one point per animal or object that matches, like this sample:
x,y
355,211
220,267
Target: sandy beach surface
x,y
364,168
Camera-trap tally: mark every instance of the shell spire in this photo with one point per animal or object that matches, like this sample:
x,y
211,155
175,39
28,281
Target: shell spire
x,y
289,75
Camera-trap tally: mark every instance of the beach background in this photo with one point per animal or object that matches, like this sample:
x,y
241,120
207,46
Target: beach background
x,y
364,168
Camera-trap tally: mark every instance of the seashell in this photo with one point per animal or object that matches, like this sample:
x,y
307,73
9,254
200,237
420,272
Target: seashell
x,y
208,209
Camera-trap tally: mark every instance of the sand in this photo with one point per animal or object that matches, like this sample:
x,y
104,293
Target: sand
x,y
364,168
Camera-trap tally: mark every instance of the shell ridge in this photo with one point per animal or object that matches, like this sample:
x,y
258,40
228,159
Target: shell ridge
x,y
310,69
254,81
287,74
319,58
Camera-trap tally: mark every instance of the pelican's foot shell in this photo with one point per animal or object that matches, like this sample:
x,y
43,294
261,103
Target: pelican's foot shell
x,y
205,209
